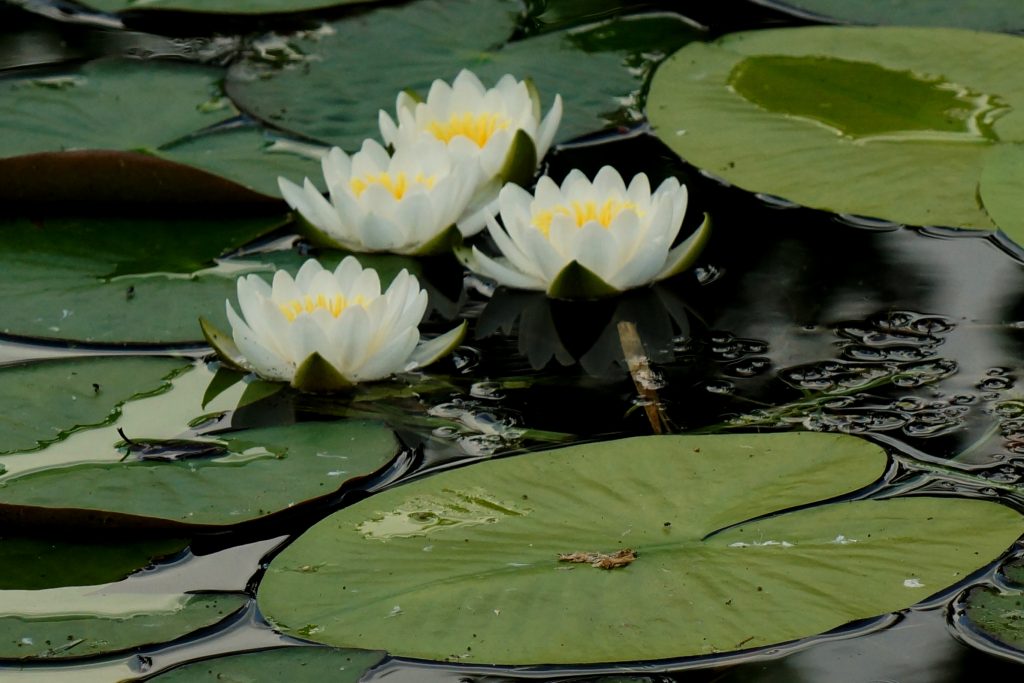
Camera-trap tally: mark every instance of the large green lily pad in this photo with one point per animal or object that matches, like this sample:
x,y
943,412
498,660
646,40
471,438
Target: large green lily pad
x,y
89,476
895,123
89,620
293,664
984,15
114,129
734,549
326,98
222,6
125,280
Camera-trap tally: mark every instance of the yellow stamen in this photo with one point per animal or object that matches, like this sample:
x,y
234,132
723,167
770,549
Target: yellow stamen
x,y
396,184
477,127
334,305
583,213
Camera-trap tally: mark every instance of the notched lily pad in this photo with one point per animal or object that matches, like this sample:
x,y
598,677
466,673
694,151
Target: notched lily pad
x,y
902,121
736,546
222,6
595,68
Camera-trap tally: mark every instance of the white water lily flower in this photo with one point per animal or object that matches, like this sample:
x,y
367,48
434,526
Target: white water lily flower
x,y
327,330
586,240
500,129
406,204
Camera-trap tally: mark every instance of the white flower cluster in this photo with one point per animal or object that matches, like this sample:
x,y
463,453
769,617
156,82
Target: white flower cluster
x,y
452,163
452,154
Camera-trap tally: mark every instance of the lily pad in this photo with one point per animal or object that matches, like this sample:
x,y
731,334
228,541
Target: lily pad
x,y
999,613
45,402
125,280
37,563
901,122
92,476
294,664
90,620
734,549
222,6
595,68
97,133
1000,195
984,15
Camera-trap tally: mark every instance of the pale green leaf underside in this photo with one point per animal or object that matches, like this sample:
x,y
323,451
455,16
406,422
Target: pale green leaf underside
x,y
471,554
918,161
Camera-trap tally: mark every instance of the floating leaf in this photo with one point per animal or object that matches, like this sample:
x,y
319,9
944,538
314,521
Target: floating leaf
x,y
93,476
90,620
900,122
293,664
125,280
38,563
999,614
984,15
97,133
323,97
222,6
733,546
45,402
1000,190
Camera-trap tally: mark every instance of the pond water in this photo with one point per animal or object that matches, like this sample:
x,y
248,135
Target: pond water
x,y
792,319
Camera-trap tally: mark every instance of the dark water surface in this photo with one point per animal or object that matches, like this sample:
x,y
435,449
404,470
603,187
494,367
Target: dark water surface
x,y
793,319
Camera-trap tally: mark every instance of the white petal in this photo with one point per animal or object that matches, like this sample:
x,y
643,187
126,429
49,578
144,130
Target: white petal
x,y
263,361
639,191
377,233
504,275
427,352
608,184
548,127
391,358
388,129
337,169
511,250
596,251
351,337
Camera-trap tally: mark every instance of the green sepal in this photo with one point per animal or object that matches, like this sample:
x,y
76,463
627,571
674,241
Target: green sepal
x,y
531,88
416,97
257,391
443,242
579,282
316,236
223,345
222,380
685,255
317,375
520,162
439,347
